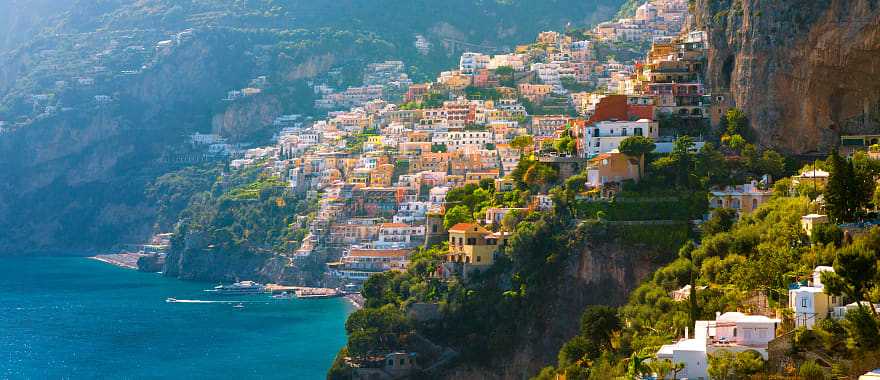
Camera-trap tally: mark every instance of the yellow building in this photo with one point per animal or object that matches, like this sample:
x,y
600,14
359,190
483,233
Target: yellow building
x,y
471,244
382,175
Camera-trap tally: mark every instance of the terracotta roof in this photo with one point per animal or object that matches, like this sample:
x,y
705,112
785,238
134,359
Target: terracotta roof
x,y
399,253
467,227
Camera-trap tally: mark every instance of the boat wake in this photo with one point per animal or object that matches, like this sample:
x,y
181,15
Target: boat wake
x,y
175,300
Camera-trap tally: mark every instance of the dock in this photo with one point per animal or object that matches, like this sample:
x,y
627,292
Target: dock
x,y
127,260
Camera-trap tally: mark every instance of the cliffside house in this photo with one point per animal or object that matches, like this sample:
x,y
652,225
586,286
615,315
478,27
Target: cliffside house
x,y
731,331
742,198
810,303
471,247
611,167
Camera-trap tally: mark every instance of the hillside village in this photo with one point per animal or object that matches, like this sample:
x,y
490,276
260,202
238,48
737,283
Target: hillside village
x,y
441,173
434,180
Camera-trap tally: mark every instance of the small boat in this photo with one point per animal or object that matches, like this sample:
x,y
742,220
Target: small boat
x,y
283,296
171,300
239,306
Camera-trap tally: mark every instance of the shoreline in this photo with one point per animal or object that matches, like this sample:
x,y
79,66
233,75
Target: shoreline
x,y
122,260
356,300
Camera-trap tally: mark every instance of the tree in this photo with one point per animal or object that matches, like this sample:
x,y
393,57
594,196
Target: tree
x,y
599,323
577,351
511,219
811,371
826,233
522,142
724,365
722,220
637,366
637,146
375,330
736,122
837,192
457,214
855,272
539,175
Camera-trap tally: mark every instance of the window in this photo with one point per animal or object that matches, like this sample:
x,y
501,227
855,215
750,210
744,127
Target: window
x,y
472,241
479,258
804,302
734,332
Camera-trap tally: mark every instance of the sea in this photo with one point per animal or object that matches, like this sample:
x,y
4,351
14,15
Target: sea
x,y
77,318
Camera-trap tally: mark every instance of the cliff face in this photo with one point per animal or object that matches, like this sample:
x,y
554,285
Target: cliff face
x,y
805,72
75,181
194,259
600,274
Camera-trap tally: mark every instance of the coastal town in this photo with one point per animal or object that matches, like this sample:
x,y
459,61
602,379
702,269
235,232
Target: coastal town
x,y
400,169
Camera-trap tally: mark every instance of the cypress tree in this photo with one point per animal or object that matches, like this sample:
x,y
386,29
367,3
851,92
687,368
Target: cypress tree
x,y
836,191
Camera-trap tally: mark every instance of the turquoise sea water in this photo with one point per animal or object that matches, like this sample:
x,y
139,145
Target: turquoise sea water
x,y
81,319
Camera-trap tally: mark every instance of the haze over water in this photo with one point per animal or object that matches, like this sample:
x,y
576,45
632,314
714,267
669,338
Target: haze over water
x,y
79,318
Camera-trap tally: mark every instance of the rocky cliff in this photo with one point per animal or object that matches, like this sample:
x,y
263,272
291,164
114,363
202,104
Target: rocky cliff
x,y
804,71
193,258
602,272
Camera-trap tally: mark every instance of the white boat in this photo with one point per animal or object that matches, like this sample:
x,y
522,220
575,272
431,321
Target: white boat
x,y
241,287
239,306
283,296
171,300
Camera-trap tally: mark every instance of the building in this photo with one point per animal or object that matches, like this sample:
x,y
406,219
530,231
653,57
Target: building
x,y
358,263
605,136
814,177
494,215
812,220
399,235
470,63
473,245
613,167
731,331
742,198
810,303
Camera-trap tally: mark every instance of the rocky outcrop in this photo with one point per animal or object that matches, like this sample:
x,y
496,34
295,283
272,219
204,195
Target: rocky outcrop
x,y
246,118
195,258
805,72
601,273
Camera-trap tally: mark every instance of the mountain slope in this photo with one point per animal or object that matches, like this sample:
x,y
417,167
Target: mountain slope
x,y
75,167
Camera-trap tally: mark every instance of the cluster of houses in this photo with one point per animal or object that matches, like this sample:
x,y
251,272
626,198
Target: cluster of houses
x,y
382,170
658,18
386,80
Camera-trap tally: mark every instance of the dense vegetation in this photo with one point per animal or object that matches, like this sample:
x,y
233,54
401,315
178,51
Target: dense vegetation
x,y
247,212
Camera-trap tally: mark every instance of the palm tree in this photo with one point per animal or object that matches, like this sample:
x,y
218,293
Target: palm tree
x,y
637,366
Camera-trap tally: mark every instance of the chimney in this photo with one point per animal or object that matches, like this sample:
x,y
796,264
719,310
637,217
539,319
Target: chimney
x,y
686,333
717,314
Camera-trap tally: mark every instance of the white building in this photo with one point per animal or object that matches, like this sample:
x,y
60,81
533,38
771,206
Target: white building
x,y
410,212
358,264
399,235
605,136
731,331
456,140
494,215
470,63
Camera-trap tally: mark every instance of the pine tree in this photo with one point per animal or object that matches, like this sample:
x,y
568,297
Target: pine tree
x,y
836,191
